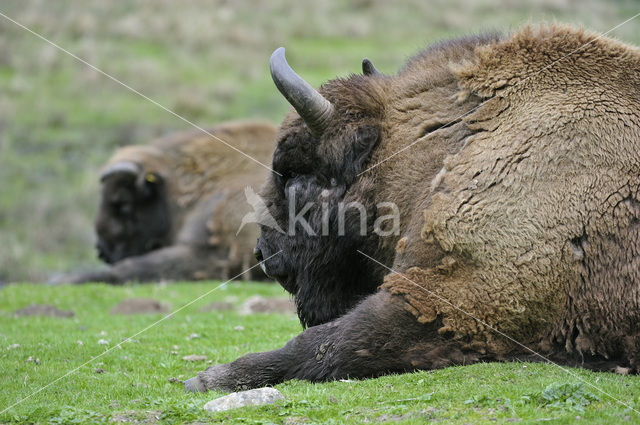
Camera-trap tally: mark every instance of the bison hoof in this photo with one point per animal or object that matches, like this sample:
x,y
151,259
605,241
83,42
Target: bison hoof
x,y
195,385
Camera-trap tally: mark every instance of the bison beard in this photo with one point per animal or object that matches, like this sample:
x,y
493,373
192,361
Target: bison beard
x,y
519,201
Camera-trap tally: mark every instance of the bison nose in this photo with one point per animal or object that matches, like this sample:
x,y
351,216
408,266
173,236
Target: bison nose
x,y
257,252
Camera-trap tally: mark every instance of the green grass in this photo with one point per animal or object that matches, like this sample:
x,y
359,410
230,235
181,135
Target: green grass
x,y
138,379
60,120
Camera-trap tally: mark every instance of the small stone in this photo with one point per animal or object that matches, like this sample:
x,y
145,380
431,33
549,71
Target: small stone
x,y
99,370
192,336
194,358
33,359
103,342
257,397
238,328
622,370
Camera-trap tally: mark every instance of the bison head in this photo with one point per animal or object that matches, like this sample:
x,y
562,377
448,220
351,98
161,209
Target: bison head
x,y
134,213
325,213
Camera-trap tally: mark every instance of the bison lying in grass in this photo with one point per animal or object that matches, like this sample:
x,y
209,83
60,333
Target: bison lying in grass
x,y
514,162
171,209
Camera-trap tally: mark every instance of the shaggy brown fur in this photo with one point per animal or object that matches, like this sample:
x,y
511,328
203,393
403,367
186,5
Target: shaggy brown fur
x,y
520,212
538,214
200,183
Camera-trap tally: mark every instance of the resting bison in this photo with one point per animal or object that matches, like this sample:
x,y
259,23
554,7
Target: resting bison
x,y
518,190
171,209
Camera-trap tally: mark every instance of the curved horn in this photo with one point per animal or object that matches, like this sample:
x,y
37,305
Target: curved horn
x,y
314,109
125,167
368,68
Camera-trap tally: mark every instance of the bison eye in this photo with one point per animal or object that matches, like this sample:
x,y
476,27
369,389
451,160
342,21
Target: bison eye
x,y
287,177
333,182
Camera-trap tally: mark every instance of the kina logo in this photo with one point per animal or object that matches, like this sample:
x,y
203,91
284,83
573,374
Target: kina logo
x,y
260,214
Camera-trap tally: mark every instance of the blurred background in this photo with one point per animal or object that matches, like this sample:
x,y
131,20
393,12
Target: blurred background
x,y
205,60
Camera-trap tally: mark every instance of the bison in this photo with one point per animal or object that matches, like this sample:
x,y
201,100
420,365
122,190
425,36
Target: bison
x,y
171,209
514,161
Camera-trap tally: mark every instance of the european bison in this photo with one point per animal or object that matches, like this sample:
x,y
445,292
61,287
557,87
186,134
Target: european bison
x,y
514,162
171,209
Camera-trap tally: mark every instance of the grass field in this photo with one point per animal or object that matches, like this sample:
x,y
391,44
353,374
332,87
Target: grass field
x,y
207,61
140,380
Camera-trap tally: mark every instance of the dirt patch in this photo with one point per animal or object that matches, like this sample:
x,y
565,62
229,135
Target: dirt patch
x,y
258,304
139,306
135,417
217,306
42,310
296,420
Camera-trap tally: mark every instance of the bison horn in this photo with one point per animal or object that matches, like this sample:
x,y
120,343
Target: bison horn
x,y
314,109
121,167
368,68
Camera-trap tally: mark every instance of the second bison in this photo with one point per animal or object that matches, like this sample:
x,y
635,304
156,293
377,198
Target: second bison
x,y
171,209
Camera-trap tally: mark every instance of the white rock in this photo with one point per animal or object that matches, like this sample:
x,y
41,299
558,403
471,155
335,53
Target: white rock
x,y
255,397
194,358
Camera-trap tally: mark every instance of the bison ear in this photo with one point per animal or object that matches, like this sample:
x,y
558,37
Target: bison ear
x,y
368,68
149,183
366,138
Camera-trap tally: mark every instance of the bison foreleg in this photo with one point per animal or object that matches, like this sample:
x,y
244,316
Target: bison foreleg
x,y
178,262
378,337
